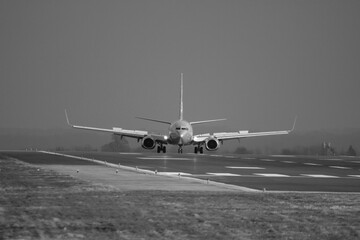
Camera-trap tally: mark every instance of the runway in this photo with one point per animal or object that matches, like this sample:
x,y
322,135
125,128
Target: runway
x,y
270,173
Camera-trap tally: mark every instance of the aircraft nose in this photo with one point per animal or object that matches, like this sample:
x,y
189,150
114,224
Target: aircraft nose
x,y
183,138
174,136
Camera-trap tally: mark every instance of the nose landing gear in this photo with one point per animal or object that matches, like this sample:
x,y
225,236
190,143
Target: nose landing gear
x,y
180,150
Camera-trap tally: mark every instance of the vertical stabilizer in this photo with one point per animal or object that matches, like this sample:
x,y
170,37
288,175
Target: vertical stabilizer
x,y
181,98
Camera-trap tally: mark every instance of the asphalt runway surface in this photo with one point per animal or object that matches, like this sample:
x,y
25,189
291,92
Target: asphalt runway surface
x,y
270,173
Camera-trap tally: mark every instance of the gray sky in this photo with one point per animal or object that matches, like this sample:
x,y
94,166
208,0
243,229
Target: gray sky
x,y
257,63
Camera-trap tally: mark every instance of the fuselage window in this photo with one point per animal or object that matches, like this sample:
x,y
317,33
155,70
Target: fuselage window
x,y
184,128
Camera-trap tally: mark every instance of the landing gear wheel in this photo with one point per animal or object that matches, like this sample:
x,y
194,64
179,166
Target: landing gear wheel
x,y
195,150
161,148
180,150
201,150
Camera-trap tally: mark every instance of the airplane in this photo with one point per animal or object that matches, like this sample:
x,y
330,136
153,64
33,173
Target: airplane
x,y
181,133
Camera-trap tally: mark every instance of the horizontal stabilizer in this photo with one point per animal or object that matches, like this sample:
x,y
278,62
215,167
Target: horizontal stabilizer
x,y
154,120
207,121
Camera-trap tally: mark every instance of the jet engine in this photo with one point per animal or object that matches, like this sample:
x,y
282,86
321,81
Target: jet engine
x,y
148,142
212,144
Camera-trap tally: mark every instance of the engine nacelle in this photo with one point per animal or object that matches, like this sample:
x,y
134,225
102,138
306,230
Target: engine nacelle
x,y
212,144
148,142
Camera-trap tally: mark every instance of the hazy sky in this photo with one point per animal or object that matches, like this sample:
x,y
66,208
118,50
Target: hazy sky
x,y
257,63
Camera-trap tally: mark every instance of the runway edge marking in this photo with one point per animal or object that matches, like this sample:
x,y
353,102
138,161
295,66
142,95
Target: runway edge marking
x,y
245,168
225,174
271,175
139,170
319,176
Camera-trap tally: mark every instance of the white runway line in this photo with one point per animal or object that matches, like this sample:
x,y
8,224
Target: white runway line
x,y
216,155
175,173
313,164
271,175
267,160
230,156
234,167
249,158
358,176
98,161
288,162
355,161
225,174
163,158
339,167
195,154
319,176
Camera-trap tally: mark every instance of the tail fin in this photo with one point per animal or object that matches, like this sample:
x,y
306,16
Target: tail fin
x,y
181,98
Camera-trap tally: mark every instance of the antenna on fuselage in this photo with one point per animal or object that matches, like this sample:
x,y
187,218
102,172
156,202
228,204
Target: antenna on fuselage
x,y
181,98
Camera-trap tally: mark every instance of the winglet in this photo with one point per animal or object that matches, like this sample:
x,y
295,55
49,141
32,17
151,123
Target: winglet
x,y
67,118
292,129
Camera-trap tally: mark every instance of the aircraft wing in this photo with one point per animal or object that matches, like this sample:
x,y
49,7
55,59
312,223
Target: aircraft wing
x,y
240,134
139,134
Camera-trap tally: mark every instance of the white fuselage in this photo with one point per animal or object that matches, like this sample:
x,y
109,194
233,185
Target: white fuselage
x,y
180,133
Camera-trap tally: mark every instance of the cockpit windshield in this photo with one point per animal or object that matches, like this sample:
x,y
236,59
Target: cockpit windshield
x,y
182,128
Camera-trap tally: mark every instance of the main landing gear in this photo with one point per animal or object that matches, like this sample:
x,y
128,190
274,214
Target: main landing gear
x,y
161,148
196,150
199,149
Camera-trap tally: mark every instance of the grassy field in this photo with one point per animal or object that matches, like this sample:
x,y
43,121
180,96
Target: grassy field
x,y
43,204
